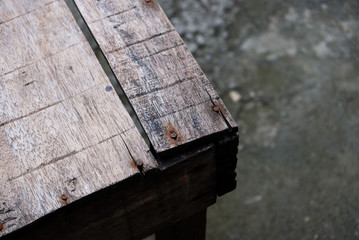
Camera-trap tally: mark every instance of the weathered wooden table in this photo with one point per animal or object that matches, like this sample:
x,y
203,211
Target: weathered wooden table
x,y
73,165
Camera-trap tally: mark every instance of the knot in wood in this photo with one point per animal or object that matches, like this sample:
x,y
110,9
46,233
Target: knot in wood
x,y
148,1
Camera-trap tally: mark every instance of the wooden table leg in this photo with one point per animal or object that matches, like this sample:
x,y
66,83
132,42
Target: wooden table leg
x,y
190,228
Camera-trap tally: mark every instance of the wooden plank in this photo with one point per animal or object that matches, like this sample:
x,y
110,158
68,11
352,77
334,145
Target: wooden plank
x,y
17,8
172,97
192,228
135,208
64,134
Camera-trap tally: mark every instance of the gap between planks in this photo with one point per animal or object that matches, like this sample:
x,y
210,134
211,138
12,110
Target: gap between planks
x,y
106,66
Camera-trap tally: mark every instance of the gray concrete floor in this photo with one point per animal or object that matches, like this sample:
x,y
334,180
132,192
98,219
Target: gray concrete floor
x,y
289,73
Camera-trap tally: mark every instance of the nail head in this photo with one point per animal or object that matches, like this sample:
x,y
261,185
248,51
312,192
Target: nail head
x,y
173,135
64,199
216,108
139,163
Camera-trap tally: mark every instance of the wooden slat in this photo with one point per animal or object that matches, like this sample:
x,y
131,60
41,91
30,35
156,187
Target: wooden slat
x,y
136,208
64,134
163,82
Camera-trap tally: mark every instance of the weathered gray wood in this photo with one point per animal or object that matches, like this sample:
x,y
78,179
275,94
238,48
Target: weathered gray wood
x,y
192,228
66,139
16,8
169,92
64,134
135,208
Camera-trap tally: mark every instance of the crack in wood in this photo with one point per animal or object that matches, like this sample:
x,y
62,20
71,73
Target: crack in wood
x,y
40,59
30,114
115,14
33,10
27,84
138,163
157,89
9,219
182,109
113,136
51,105
4,208
141,41
57,159
162,50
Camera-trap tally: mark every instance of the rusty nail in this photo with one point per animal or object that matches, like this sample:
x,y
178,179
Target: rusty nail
x,y
215,108
64,198
173,135
139,163
2,226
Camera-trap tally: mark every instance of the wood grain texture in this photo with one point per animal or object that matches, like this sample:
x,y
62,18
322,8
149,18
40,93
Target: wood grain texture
x,y
64,134
168,90
70,155
136,207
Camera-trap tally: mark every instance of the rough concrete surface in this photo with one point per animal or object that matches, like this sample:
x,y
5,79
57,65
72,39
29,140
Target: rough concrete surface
x,y
289,72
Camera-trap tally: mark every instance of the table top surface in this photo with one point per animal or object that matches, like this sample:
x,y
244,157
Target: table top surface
x,y
64,132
